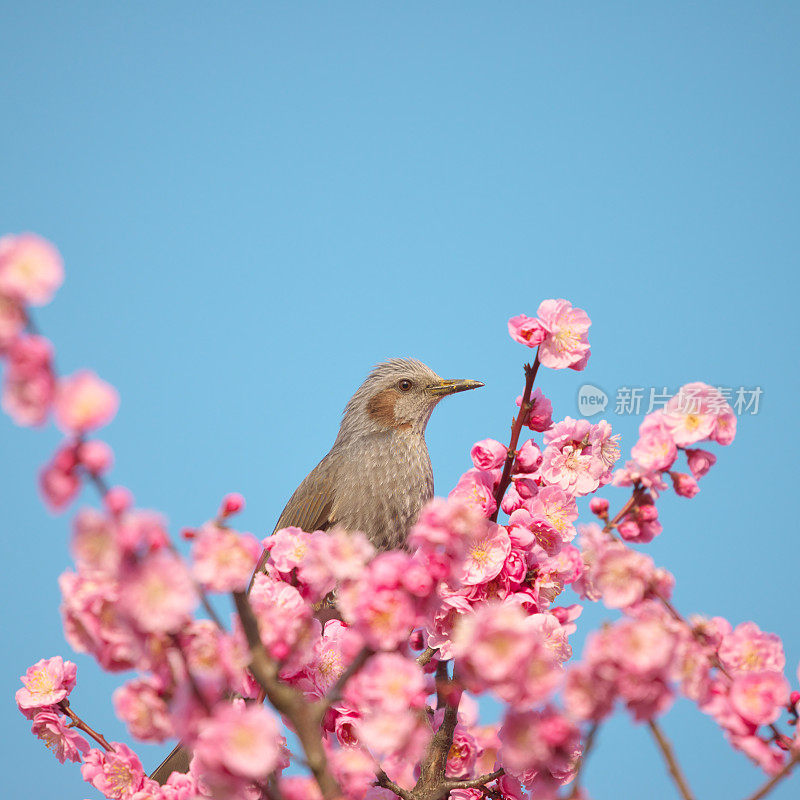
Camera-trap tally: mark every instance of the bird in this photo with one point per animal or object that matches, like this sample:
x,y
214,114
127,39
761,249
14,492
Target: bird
x,y
376,477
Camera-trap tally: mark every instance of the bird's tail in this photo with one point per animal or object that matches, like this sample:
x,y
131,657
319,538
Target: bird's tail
x,y
177,761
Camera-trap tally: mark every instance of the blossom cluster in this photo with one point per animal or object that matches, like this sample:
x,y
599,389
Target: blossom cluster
x,y
387,652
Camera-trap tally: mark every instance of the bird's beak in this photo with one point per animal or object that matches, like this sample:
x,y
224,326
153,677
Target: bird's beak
x,y
445,387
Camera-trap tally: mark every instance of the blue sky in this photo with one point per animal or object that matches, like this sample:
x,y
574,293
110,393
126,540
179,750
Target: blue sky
x,y
257,202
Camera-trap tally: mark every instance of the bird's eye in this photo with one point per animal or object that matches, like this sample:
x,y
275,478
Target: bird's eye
x,y
404,385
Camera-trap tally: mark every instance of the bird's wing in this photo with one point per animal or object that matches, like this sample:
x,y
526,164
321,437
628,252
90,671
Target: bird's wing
x,y
310,508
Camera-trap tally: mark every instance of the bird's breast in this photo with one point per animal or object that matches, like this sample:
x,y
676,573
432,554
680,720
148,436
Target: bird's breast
x,y
383,483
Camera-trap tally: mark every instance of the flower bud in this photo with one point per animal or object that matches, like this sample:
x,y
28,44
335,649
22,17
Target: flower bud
x,y
684,485
96,456
118,499
599,506
231,504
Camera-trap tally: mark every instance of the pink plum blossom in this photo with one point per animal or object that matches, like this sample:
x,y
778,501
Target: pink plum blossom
x,y
700,461
725,428
139,704
747,649
526,330
622,576
65,742
301,787
476,487
117,774
599,506
388,682
84,402
158,593
383,616
118,499
488,454
177,787
571,468
329,558
94,622
655,450
566,344
558,508
29,384
759,696
94,544
486,553
232,503
95,456
462,755
139,529
333,651
239,740
214,657
58,487
540,415
540,744
46,683
287,548
684,485
224,560
691,415
284,615
529,457
31,268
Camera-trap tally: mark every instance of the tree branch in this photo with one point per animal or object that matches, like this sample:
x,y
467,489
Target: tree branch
x,y
516,428
77,722
669,756
474,783
287,701
776,779
426,656
431,784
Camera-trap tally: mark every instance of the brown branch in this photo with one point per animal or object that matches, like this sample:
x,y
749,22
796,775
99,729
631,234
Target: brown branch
x,y
385,782
431,784
426,656
516,428
77,722
304,717
609,526
590,737
672,763
474,783
775,779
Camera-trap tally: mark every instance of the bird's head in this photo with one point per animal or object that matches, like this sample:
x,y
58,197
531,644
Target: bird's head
x,y
399,394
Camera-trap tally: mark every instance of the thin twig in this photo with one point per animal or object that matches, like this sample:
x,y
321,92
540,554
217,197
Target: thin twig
x,y
611,524
672,763
516,428
77,722
775,779
426,656
385,782
474,783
